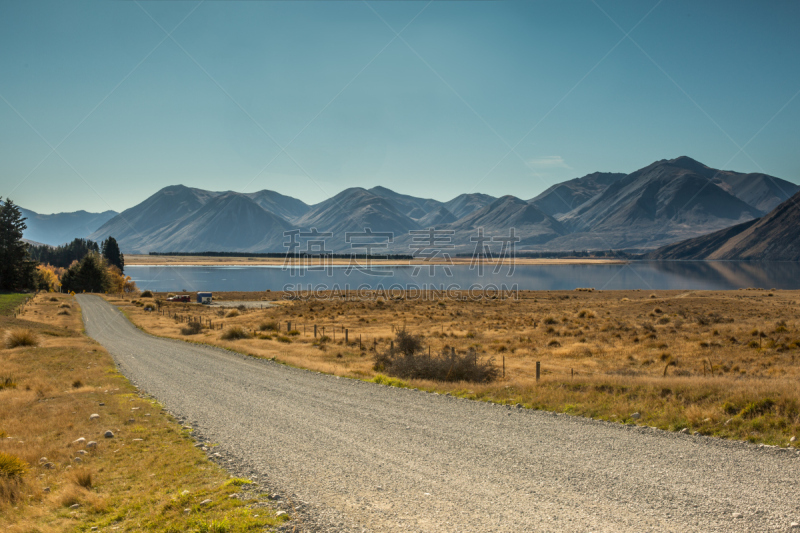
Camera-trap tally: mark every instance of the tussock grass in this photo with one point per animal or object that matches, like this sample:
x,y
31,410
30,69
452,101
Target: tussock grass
x,y
11,466
21,337
234,333
704,337
192,328
233,313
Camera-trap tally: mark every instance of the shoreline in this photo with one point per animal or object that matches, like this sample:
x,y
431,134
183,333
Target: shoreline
x,y
184,261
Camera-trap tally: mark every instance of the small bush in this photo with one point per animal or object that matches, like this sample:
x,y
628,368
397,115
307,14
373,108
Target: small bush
x,y
21,337
147,294
550,320
77,384
7,383
324,339
192,328
11,466
758,408
407,360
64,306
268,326
587,313
232,313
53,299
293,333
283,338
235,333
63,312
149,307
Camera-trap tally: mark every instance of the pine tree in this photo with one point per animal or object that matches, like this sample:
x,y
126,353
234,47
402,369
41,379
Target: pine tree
x,y
112,254
90,275
16,268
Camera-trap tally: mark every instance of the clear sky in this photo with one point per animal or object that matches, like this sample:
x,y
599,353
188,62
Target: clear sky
x,y
308,98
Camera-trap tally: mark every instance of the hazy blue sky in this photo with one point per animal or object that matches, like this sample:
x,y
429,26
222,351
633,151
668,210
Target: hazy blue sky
x,y
433,112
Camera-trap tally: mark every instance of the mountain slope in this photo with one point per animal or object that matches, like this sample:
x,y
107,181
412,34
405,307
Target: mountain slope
x,y
284,206
353,210
464,204
656,205
59,228
438,217
564,197
774,237
228,222
530,223
136,226
411,206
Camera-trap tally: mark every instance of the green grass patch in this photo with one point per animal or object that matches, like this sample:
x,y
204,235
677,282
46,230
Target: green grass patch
x,y
10,301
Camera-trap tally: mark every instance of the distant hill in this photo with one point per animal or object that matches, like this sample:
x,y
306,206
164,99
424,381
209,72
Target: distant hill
x,y
464,204
411,206
774,237
353,210
564,197
60,228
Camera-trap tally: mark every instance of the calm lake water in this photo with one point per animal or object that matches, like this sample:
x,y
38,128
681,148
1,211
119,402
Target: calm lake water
x,y
692,275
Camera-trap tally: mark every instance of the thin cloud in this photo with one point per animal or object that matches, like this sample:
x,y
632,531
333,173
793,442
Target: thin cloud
x,y
548,161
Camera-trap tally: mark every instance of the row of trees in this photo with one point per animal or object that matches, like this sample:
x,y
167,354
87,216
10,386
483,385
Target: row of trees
x,y
78,266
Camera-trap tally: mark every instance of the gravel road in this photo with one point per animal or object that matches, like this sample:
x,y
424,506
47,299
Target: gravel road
x,y
352,456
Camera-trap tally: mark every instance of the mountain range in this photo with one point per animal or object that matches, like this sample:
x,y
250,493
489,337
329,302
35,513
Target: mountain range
x,y
661,204
59,228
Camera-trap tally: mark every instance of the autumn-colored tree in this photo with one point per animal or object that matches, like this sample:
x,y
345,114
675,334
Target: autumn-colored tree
x,y
118,282
47,277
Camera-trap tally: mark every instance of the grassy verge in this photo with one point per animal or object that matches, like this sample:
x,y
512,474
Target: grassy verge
x,y
9,301
147,477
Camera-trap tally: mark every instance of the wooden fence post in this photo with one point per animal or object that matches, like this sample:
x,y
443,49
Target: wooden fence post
x,y
538,369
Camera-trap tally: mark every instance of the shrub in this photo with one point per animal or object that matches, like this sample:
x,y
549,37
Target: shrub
x,y
293,333
63,312
232,313
53,299
283,338
192,328
407,360
235,333
21,337
11,466
149,307
324,339
147,294
550,320
586,313
268,326
7,383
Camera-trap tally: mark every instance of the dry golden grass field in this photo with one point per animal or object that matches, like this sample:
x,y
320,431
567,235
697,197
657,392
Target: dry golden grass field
x,y
142,479
724,363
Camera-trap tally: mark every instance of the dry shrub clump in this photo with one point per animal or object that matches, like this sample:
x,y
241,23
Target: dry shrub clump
x,y
268,326
407,360
233,313
235,333
192,328
21,337
146,294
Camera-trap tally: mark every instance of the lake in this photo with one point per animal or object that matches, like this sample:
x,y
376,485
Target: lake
x,y
686,275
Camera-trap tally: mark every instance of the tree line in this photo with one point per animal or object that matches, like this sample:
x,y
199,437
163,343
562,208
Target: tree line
x,y
81,265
